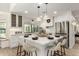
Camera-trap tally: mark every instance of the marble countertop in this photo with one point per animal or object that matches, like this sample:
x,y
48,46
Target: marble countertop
x,y
43,40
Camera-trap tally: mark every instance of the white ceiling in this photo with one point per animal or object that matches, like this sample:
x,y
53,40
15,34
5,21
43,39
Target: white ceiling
x,y
32,8
4,7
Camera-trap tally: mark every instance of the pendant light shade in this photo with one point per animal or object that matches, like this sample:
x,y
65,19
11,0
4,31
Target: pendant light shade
x,y
38,18
45,15
74,23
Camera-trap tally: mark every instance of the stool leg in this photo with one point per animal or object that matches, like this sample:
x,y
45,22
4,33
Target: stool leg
x,y
64,50
58,53
36,53
27,53
51,53
17,50
47,52
20,50
54,53
24,53
31,54
61,50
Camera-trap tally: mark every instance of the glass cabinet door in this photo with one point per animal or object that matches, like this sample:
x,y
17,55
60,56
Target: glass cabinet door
x,y
31,28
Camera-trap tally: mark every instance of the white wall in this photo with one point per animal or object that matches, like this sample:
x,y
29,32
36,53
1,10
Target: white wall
x,y
5,17
67,16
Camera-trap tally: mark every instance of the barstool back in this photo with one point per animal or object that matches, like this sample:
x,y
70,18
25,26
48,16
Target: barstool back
x,y
64,42
57,46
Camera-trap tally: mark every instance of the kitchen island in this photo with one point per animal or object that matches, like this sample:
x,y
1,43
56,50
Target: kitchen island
x,y
42,43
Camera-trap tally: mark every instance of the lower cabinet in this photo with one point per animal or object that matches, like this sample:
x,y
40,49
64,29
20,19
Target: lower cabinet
x,y
13,41
4,43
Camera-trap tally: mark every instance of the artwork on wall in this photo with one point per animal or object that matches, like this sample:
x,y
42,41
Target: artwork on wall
x,y
51,22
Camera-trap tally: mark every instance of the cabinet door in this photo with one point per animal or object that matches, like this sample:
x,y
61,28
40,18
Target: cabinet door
x,y
13,20
57,27
19,21
13,41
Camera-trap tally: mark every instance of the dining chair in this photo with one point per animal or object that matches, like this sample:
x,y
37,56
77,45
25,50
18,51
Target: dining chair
x,y
54,50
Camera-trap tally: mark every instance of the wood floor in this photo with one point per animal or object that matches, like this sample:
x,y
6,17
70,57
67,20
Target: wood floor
x,y
74,51
8,52
12,51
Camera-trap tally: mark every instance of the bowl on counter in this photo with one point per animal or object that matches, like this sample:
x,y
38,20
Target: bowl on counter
x,y
34,38
51,38
26,36
29,34
57,35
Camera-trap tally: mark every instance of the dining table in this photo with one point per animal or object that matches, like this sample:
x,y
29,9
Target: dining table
x,y
41,43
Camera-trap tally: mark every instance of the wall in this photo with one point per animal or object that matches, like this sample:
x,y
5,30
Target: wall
x,y
5,17
67,16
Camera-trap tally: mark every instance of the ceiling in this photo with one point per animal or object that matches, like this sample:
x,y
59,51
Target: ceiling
x,y
19,8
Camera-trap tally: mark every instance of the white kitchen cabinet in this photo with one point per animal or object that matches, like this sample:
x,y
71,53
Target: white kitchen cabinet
x,y
13,41
4,43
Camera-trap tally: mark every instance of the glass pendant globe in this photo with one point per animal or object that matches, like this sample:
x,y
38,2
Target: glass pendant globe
x,y
38,19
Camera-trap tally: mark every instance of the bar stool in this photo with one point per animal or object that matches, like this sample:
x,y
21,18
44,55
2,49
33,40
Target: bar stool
x,y
55,50
30,50
25,49
63,52
20,51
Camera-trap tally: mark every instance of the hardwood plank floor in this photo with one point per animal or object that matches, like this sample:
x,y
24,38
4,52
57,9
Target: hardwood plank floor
x,y
12,51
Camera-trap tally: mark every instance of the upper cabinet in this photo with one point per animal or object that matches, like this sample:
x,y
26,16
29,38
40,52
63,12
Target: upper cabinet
x,y
19,21
13,20
16,21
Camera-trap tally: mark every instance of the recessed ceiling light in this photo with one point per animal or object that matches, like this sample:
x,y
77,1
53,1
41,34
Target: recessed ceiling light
x,y
55,12
41,16
77,25
26,11
12,5
39,3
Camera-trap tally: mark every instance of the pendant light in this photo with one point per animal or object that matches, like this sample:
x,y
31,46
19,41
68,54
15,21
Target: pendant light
x,y
38,18
46,16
